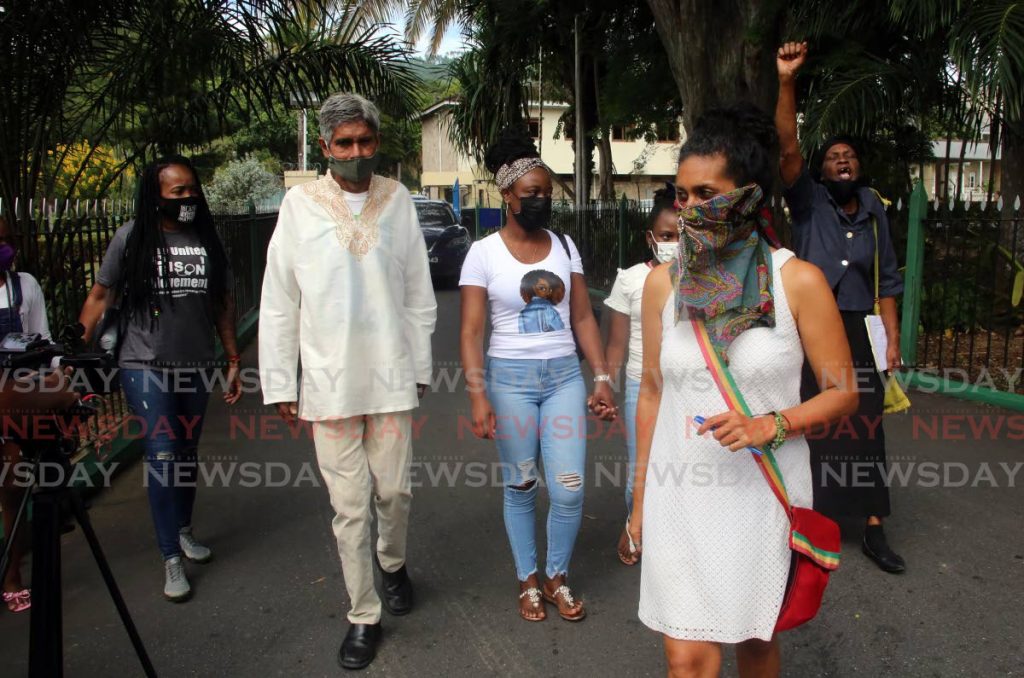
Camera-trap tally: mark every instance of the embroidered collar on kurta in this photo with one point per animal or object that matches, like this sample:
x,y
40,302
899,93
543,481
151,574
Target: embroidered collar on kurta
x,y
359,234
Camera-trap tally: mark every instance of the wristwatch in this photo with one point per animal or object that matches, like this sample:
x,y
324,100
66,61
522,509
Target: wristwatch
x,y
602,377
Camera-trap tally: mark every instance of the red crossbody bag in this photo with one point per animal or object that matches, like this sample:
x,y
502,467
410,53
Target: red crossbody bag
x,y
813,538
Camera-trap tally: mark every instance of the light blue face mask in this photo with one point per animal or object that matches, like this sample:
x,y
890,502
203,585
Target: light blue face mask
x,y
664,252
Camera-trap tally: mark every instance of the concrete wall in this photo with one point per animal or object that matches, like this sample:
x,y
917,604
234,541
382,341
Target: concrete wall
x,y
296,177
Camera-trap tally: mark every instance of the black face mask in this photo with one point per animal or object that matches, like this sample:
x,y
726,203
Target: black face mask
x,y
182,210
534,213
842,191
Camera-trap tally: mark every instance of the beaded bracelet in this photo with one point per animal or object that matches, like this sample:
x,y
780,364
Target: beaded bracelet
x,y
780,432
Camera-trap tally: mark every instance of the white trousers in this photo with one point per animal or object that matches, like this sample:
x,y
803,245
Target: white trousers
x,y
363,457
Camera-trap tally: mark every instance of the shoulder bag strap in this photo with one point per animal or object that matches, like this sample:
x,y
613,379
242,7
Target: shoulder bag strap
x,y
19,299
565,245
734,401
874,225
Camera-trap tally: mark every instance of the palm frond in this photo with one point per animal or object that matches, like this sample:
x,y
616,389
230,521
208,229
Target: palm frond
x,y
987,46
160,75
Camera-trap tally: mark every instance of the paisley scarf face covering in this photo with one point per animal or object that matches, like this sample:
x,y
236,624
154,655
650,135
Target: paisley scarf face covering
x,y
723,272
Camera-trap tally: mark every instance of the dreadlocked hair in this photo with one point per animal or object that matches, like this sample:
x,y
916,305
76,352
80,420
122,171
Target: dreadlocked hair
x,y
513,143
146,244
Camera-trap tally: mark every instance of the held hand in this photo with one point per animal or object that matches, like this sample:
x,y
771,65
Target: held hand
x,y
737,431
893,356
289,412
789,59
234,390
485,423
602,402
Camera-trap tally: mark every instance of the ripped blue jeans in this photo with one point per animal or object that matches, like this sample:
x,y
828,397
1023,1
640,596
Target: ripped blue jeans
x,y
540,407
168,408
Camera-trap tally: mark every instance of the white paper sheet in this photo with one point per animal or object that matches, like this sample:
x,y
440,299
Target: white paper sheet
x,y
17,341
879,341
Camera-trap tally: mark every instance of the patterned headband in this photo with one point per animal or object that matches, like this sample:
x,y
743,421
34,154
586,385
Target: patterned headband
x,y
508,173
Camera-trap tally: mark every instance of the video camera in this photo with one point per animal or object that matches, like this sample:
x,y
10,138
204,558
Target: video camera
x,y
94,372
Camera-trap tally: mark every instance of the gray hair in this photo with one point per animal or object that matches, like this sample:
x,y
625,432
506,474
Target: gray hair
x,y
347,107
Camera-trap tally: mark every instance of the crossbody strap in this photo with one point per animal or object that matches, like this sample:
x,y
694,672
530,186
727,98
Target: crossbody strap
x,y
874,226
565,245
734,401
15,282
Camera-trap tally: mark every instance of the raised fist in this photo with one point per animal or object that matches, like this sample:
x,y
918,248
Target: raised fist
x,y
790,58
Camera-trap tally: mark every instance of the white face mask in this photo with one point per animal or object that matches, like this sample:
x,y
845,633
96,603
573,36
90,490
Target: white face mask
x,y
665,251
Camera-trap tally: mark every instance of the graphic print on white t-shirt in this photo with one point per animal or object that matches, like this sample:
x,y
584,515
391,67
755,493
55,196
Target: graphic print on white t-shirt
x,y
542,291
529,303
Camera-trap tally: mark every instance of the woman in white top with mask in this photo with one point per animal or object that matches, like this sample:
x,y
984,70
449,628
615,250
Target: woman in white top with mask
x,y
662,233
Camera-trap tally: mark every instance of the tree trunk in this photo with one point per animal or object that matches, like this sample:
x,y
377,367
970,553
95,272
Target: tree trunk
x,y
943,194
720,51
606,179
1012,181
960,171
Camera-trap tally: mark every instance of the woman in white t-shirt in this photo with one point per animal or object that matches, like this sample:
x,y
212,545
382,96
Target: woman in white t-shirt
x,y
624,301
530,396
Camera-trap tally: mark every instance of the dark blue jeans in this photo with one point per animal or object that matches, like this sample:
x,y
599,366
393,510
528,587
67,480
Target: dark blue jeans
x,y
169,406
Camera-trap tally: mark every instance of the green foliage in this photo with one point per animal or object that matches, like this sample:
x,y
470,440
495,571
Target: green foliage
x,y
401,142
240,182
950,304
163,75
925,69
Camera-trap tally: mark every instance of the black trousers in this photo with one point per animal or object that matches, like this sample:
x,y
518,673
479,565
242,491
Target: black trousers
x,y
848,458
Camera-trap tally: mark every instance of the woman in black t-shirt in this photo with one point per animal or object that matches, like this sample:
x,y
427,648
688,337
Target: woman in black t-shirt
x,y
167,275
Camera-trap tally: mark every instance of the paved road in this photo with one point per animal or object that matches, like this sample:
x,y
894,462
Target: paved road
x,y
272,603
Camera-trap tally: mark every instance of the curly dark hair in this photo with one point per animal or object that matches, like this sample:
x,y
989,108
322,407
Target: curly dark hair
x,y
513,142
745,135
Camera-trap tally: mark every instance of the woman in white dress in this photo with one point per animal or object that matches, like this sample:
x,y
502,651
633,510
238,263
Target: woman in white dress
x,y
714,537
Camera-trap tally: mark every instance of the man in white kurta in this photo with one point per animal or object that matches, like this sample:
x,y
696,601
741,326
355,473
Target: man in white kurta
x,y
347,291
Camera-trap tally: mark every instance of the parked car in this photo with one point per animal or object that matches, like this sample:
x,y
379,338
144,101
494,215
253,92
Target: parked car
x,y
447,241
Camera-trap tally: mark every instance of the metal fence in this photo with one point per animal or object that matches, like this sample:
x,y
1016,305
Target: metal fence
x,y
969,285
963,266
609,236
62,245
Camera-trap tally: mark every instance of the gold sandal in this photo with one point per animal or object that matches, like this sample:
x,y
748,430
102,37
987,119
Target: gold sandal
x,y
534,595
565,594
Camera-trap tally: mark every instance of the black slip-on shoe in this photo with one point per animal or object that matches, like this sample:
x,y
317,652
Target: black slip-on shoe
x,y
397,598
359,648
876,547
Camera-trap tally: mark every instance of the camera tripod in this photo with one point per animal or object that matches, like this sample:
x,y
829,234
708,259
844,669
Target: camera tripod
x,y
46,641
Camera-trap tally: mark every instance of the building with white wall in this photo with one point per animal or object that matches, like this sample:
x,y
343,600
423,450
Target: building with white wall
x,y
639,167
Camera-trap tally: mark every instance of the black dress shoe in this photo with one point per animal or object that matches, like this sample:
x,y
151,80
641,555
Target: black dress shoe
x,y
397,587
877,549
360,646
